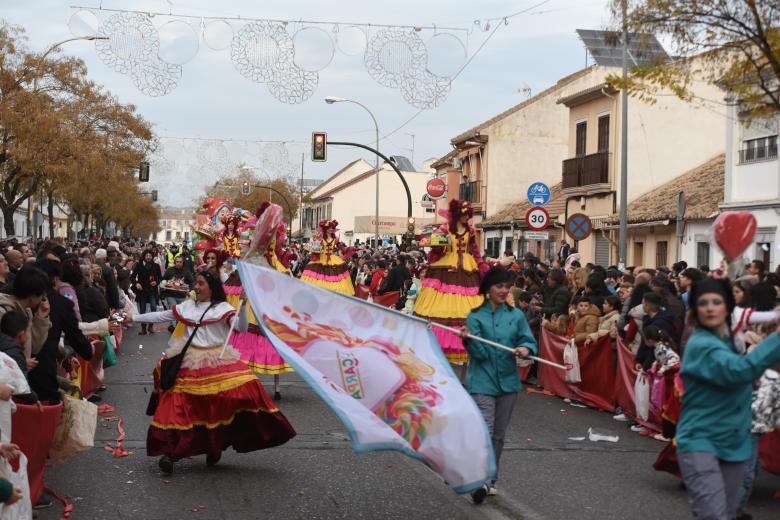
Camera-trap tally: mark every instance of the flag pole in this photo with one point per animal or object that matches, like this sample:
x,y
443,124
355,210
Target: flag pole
x,y
232,327
495,345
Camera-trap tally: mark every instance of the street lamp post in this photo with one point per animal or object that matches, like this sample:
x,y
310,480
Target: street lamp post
x,y
332,99
35,87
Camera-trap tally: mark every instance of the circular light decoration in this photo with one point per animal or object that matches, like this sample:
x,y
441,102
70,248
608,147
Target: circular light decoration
x,y
155,77
132,40
212,152
217,35
393,55
178,42
292,85
83,23
446,54
351,40
426,90
259,48
313,49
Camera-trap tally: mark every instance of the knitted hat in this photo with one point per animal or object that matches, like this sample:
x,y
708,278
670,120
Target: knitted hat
x,y
494,276
710,285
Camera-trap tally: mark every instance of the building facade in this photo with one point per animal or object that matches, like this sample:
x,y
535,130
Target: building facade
x,y
349,196
752,179
175,225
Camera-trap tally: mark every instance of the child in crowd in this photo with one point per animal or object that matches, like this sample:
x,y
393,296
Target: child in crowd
x,y
523,302
608,322
665,366
13,336
586,321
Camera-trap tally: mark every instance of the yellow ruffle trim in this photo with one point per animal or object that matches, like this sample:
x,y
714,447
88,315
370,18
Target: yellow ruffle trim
x,y
200,388
434,304
343,287
451,260
269,370
457,359
217,424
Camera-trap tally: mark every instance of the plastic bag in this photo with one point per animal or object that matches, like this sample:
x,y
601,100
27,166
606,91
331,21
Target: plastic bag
x,y
75,431
642,396
658,392
571,360
12,375
22,509
109,355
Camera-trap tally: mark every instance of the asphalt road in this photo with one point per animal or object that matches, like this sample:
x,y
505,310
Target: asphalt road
x,y
544,474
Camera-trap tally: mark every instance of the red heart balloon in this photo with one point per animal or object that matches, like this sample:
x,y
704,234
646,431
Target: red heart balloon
x,y
734,232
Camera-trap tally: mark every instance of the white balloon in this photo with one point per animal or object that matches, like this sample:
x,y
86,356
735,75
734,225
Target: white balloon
x,y
178,42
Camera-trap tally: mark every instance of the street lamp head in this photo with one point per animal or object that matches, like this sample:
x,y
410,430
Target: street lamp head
x,y
333,99
90,38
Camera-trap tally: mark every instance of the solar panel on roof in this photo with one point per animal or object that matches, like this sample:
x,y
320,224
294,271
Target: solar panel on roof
x,y
606,50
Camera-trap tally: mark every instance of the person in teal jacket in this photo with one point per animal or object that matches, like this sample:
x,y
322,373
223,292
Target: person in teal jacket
x,y
491,376
713,434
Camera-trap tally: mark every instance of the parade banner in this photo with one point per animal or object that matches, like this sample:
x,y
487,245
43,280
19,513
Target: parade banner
x,y
381,372
597,388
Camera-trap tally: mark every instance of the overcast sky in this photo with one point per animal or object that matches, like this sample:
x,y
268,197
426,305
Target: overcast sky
x,y
213,101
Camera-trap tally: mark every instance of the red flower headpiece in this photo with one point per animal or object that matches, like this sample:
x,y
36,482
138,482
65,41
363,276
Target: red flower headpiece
x,y
458,208
328,224
232,218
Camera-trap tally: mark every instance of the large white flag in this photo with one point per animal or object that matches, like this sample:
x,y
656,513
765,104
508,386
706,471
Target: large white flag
x,y
382,372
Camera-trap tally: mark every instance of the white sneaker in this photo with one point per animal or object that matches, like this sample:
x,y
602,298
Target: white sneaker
x,y
638,428
621,417
492,491
660,437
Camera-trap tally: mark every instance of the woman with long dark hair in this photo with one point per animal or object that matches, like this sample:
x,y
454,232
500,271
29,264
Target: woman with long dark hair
x,y
216,401
713,434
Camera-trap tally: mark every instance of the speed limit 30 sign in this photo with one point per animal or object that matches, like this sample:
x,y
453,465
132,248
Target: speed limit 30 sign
x,y
537,219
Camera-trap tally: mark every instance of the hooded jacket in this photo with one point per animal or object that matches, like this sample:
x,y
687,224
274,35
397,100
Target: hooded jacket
x,y
586,323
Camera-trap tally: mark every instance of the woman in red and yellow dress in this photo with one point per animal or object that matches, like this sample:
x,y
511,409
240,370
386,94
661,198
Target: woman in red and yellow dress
x,y
450,289
326,268
216,401
254,348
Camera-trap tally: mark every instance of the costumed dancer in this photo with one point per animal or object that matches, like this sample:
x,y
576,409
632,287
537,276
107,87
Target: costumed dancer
x,y
216,402
326,268
450,288
255,349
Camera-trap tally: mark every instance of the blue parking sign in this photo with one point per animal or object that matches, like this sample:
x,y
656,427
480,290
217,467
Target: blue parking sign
x,y
538,194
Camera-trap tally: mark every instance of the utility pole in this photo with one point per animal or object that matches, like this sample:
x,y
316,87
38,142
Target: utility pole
x,y
301,204
623,235
412,149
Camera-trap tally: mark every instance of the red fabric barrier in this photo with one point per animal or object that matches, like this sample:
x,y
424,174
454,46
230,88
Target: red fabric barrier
x,y
769,452
624,389
32,429
597,370
388,299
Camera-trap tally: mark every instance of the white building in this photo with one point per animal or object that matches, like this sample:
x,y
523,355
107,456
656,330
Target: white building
x,y
752,180
175,225
349,196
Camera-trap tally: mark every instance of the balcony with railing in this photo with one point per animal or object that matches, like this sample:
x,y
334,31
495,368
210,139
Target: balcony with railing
x,y
758,153
587,170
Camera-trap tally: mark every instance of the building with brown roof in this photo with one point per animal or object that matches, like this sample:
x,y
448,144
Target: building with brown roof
x,y
653,239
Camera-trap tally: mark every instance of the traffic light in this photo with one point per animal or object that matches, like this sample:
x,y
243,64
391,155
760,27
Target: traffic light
x,y
143,172
154,195
319,146
245,187
410,225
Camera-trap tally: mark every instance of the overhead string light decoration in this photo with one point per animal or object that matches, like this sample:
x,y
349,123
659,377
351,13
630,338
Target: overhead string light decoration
x,y
286,56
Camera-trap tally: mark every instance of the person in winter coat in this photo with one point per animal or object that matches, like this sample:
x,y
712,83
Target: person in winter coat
x,y
586,321
43,378
655,314
713,435
491,376
145,280
29,296
608,322
557,296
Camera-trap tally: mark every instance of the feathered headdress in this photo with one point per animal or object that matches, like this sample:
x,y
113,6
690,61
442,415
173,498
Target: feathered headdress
x,y
328,224
457,208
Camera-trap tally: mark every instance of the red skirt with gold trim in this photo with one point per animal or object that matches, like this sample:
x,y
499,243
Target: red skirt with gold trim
x,y
212,408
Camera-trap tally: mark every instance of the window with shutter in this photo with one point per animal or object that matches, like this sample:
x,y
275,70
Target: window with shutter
x,y
582,136
604,134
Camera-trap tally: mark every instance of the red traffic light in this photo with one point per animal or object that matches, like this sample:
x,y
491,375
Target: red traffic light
x,y
245,188
319,146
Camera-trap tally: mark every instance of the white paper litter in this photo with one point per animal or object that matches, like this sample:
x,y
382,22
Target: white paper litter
x,y
596,435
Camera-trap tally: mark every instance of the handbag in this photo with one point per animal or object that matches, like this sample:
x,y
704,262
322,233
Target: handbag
x,y
109,355
169,367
